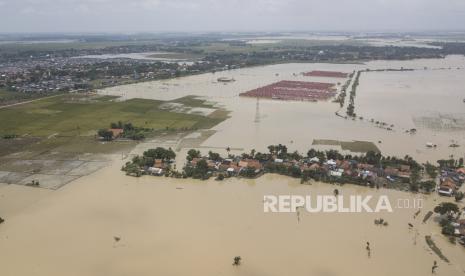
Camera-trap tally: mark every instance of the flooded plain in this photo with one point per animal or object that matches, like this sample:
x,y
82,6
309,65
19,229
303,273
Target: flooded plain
x,y
406,99
170,226
106,223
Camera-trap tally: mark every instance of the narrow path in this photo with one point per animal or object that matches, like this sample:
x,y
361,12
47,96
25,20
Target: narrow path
x,y
20,103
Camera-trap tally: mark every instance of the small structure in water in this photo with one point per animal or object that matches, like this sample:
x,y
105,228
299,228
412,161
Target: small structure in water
x,y
430,145
225,79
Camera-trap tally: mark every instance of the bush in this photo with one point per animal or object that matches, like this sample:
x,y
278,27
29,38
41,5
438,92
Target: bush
x,y
458,196
448,230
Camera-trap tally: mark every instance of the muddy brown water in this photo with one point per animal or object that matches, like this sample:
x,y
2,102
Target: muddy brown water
x,y
185,227
409,99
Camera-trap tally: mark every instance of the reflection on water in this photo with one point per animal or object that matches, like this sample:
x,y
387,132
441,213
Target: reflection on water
x,y
394,97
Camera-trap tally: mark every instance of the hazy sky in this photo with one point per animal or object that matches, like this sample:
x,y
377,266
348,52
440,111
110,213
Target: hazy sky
x,y
229,15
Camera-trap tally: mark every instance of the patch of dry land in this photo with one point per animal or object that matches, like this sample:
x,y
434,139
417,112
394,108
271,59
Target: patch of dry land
x,y
185,227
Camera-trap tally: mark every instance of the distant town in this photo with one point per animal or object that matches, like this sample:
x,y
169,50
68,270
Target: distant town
x,y
31,71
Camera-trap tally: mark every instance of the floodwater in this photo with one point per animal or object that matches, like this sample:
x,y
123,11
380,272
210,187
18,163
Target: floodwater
x,y
405,99
185,227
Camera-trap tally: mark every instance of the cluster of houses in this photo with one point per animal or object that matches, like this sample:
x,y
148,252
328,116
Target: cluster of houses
x,y
459,230
232,166
347,169
450,181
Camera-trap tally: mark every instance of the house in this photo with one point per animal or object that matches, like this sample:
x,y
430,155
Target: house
x,y
159,164
243,164
251,163
404,174
117,132
194,161
155,171
364,166
461,171
448,183
445,191
314,160
314,167
331,162
404,168
391,171
345,165
212,165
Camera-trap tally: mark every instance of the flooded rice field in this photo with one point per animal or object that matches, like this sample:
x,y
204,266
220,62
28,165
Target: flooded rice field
x,y
429,99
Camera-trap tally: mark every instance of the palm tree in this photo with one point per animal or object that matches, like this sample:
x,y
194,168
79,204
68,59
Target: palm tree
x,y
252,153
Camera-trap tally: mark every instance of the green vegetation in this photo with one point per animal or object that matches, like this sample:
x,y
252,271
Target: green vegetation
x,y
199,171
139,163
72,121
446,208
459,196
192,153
106,135
431,170
73,115
351,106
427,186
435,249
10,97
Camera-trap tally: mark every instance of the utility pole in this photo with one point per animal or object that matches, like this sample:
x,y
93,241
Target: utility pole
x,y
257,111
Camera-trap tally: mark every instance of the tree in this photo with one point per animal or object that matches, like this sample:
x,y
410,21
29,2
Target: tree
x,y
116,125
160,153
252,153
107,135
458,196
128,127
201,169
448,230
446,208
214,156
248,172
431,170
428,186
414,177
192,153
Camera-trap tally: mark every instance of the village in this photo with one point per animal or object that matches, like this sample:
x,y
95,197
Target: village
x,y
371,169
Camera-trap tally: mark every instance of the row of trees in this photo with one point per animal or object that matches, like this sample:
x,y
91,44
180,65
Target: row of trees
x,y
351,106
